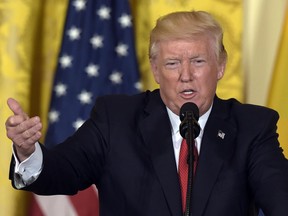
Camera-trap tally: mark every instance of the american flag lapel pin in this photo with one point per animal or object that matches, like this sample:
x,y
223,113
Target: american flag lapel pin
x,y
221,134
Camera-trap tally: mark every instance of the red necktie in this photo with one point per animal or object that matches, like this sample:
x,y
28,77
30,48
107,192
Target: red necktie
x,y
183,169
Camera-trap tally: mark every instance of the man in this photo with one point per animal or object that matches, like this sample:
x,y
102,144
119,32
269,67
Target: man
x,y
129,147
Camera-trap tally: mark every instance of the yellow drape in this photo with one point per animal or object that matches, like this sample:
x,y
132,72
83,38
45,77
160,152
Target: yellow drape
x,y
278,98
28,46
228,13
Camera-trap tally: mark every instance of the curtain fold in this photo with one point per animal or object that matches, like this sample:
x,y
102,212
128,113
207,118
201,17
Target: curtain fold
x,y
277,98
30,34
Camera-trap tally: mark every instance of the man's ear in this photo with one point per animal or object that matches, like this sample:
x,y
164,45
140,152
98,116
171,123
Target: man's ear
x,y
155,71
221,71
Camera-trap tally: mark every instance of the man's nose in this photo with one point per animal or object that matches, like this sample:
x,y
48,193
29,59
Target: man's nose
x,y
186,73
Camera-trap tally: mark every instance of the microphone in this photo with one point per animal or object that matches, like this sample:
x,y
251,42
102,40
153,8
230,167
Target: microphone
x,y
189,115
189,130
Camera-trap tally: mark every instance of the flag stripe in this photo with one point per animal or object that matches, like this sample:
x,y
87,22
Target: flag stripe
x,y
85,202
56,205
35,208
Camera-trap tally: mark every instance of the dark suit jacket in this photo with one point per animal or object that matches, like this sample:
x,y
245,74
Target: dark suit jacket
x,y
126,149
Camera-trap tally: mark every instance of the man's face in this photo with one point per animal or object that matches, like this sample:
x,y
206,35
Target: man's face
x,y
187,71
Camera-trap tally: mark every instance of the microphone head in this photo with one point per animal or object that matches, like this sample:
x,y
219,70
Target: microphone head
x,y
189,107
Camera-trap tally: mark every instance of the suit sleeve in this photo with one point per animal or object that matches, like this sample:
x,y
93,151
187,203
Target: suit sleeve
x,y
268,169
78,162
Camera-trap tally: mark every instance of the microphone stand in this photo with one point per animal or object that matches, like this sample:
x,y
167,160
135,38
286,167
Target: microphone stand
x,y
190,142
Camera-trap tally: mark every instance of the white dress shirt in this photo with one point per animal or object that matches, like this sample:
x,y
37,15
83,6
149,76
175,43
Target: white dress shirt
x,y
176,136
28,170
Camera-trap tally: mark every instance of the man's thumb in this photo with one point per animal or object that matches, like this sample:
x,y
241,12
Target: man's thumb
x,y
15,107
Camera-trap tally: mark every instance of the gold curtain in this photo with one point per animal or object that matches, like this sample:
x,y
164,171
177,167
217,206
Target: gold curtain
x,y
227,12
277,98
30,35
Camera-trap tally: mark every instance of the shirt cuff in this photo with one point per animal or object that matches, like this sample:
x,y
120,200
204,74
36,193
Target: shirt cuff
x,y
26,172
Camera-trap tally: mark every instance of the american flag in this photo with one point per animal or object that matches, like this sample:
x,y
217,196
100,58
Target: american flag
x,y
97,57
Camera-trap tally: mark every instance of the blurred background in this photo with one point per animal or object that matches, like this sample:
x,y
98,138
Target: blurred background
x,y
34,35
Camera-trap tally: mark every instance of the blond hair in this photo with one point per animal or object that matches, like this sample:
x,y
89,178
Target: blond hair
x,y
187,25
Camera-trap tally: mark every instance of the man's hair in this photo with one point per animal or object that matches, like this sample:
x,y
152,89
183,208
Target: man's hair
x,y
187,25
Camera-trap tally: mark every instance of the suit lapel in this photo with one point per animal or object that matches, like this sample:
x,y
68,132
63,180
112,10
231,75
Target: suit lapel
x,y
156,133
216,147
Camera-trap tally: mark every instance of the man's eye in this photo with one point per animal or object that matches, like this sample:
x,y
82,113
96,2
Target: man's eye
x,y
198,61
172,65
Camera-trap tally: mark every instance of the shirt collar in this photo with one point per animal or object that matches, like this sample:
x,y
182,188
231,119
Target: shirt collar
x,y
175,121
